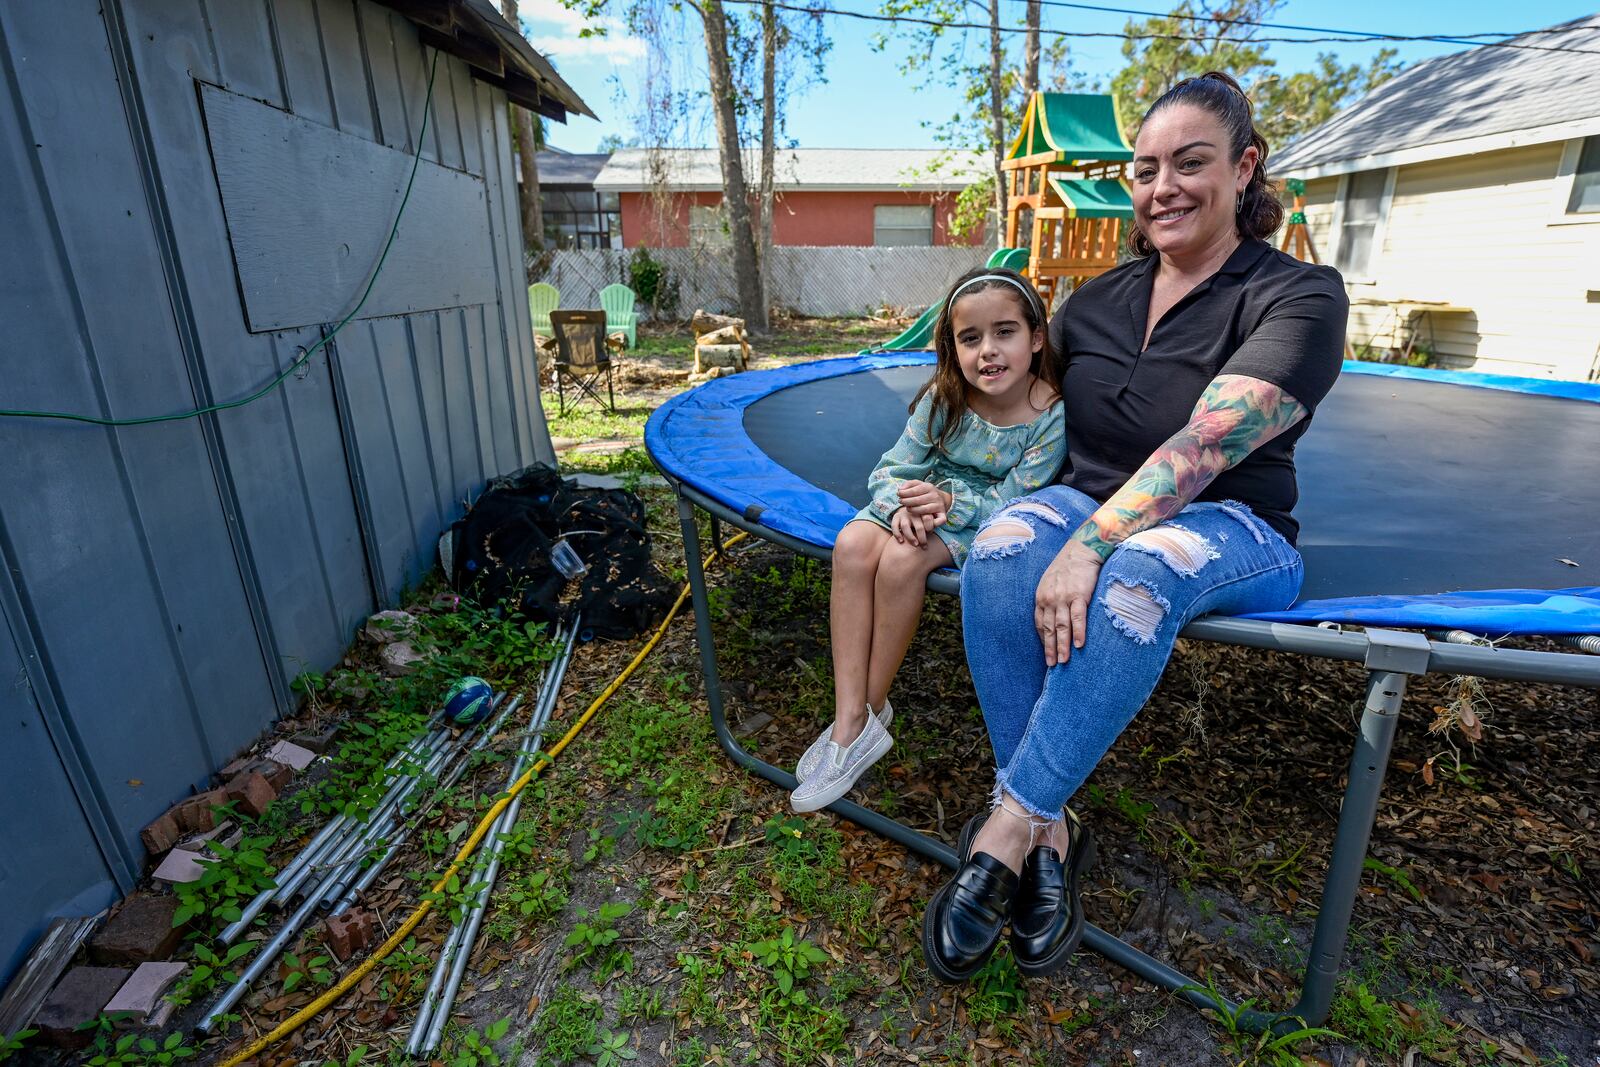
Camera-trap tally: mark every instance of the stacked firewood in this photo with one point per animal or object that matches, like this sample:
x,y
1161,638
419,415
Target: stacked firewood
x,y
720,346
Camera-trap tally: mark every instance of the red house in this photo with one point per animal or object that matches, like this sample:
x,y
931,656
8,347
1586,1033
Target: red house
x,y
825,196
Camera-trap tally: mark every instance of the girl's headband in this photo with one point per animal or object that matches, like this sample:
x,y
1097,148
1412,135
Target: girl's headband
x,y
1027,291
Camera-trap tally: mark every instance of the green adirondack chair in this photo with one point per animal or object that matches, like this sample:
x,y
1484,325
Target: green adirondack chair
x,y
543,298
618,301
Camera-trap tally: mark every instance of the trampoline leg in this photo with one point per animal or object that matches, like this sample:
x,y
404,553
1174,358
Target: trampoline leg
x,y
915,840
1369,760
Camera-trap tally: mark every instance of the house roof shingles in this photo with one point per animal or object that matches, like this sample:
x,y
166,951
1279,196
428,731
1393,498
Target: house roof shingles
x,y
691,169
568,168
1470,101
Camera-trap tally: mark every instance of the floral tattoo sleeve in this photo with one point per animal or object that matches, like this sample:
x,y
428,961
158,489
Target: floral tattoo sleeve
x,y
1235,416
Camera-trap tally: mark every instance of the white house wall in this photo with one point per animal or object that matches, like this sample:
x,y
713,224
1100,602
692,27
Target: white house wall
x,y
1483,232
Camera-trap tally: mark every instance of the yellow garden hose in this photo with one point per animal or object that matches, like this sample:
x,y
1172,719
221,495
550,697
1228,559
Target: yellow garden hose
x,y
315,1008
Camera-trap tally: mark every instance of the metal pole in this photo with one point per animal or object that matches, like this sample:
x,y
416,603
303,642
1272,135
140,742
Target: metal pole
x,y
346,852
379,835
288,886
445,982
370,875
316,845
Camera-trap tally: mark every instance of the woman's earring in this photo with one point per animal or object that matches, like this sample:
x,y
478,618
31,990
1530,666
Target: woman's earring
x,y
1238,208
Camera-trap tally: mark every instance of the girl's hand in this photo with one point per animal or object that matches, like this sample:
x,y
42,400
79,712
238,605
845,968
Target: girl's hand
x,y
1061,605
905,526
926,501
910,528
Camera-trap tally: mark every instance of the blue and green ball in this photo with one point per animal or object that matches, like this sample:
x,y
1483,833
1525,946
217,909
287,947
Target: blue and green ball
x,y
469,701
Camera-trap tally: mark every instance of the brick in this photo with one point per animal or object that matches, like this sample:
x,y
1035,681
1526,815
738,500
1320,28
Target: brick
x,y
160,835
251,793
143,996
195,814
78,998
278,775
318,741
235,767
181,865
296,757
140,931
349,932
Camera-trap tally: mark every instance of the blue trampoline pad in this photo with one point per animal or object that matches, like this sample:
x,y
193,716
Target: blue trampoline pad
x,y
1428,499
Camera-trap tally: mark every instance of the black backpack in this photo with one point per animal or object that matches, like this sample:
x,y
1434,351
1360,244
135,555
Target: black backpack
x,y
501,553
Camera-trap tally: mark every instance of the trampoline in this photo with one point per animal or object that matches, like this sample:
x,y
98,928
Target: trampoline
x,y
1459,504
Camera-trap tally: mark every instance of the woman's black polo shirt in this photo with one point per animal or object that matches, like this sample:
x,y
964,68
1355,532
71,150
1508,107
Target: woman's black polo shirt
x,y
1264,314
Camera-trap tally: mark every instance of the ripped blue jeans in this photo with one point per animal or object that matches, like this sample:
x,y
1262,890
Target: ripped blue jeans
x,y
1050,727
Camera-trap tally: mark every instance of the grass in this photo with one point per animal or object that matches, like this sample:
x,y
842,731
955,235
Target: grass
x,y
568,1026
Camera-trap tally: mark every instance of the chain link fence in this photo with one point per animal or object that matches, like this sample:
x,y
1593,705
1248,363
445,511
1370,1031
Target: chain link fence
x,y
832,281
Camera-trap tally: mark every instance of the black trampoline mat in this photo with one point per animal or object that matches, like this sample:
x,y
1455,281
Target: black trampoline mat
x,y
1406,487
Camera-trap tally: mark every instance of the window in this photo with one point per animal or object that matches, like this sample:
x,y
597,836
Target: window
x,y
707,227
1585,197
580,218
1366,201
902,224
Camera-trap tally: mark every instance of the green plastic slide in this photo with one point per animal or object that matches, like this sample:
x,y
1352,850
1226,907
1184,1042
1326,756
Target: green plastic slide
x,y
919,337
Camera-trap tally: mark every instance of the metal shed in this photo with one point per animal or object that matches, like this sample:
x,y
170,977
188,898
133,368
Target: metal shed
x,y
194,192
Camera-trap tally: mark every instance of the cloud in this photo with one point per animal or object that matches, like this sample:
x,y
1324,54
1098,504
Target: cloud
x,y
553,30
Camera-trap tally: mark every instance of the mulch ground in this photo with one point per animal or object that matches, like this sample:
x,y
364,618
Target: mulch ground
x,y
1473,939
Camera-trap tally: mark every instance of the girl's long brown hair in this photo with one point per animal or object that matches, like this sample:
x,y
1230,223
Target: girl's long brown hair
x,y
948,386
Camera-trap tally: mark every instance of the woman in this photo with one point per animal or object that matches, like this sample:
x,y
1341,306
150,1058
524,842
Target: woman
x,y
1190,374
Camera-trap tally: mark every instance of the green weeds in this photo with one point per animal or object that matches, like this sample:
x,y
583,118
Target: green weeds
x,y
466,1047
594,939
1390,1027
568,1027
229,881
297,971
1269,1047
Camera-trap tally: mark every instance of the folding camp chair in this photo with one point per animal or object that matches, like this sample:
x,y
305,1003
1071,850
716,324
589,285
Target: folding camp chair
x,y
543,298
618,300
582,357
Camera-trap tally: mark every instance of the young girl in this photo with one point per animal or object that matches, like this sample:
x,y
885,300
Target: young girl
x,y
985,429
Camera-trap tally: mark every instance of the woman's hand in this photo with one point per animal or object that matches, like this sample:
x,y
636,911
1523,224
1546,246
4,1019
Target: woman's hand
x,y
1061,605
926,501
910,528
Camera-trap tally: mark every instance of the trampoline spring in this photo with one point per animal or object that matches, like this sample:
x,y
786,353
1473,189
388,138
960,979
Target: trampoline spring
x,y
1460,637
1584,642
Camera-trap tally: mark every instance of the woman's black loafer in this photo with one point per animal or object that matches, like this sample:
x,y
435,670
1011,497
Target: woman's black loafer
x,y
968,914
1047,917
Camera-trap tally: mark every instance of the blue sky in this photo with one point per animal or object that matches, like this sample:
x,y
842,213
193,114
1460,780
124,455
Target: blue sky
x,y
867,102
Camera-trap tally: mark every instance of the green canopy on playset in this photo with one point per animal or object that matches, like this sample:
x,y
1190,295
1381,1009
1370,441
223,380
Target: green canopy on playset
x,y
1094,198
1074,126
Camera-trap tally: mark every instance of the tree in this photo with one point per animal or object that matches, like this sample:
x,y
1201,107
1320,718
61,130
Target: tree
x,y
1205,36
769,142
735,191
1030,50
739,90
529,137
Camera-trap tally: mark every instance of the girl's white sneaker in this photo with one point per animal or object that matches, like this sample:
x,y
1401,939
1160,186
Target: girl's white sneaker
x,y
840,766
813,755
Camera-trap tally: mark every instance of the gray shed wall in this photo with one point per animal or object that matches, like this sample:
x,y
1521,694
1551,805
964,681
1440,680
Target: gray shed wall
x,y
161,585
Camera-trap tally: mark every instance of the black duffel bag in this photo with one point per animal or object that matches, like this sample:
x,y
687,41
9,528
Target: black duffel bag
x,y
500,554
